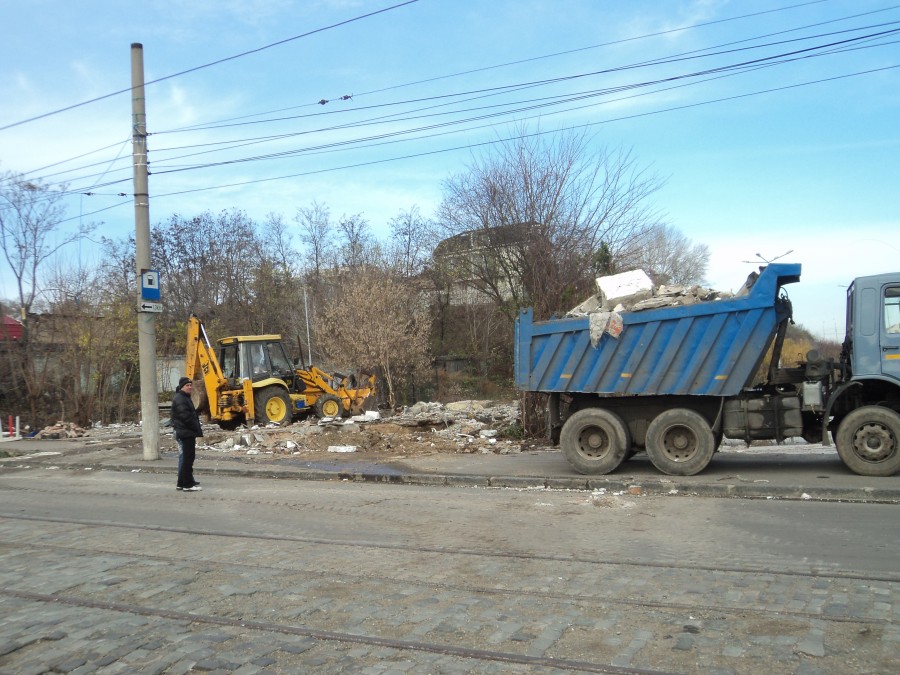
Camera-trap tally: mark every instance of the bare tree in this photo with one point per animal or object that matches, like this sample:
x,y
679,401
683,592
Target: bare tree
x,y
30,230
317,235
207,265
668,256
357,243
117,267
381,324
413,239
528,219
31,235
280,280
277,245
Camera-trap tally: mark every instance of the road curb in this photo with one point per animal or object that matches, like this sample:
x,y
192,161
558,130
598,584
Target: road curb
x,y
668,486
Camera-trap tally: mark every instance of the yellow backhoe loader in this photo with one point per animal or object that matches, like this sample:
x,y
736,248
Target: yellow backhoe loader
x,y
252,380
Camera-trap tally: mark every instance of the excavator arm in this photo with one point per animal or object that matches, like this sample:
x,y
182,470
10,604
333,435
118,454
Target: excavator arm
x,y
202,364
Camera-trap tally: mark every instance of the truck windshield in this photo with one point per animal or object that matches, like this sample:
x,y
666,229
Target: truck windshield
x,y
892,309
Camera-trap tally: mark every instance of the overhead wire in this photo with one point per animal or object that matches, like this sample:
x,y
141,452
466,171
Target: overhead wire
x,y
538,58
745,64
679,29
470,146
506,89
701,53
208,65
682,28
368,140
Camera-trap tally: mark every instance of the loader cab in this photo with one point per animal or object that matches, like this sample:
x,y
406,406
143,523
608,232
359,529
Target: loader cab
x,y
873,327
254,358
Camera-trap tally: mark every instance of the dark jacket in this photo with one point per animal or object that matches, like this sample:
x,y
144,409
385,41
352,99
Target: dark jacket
x,y
185,419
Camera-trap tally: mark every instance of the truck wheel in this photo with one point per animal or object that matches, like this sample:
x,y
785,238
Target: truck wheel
x,y
273,405
328,405
868,441
594,440
680,442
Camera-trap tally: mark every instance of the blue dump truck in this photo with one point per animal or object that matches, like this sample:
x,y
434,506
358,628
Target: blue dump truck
x,y
676,380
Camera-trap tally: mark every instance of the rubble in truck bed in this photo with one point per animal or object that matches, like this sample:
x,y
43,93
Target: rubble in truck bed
x,y
635,292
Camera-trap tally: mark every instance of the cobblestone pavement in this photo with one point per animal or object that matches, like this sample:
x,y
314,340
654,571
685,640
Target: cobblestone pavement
x,y
116,573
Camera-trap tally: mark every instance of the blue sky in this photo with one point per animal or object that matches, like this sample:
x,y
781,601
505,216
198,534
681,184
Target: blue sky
x,y
802,155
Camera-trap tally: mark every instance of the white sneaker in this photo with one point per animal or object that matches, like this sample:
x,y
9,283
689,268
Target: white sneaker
x,y
196,488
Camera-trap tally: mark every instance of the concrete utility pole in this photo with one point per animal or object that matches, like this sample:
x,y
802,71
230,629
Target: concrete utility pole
x,y
146,320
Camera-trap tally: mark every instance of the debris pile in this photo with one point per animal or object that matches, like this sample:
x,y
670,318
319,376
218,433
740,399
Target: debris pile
x,y
61,430
463,426
489,413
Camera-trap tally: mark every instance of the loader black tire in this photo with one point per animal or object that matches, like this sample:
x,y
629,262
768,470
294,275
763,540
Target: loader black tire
x,y
229,425
328,405
272,405
680,442
868,441
594,440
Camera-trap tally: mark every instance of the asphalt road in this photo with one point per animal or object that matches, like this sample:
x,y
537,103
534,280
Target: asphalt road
x,y
115,571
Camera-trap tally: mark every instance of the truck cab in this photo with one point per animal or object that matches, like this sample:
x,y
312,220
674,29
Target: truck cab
x,y
873,328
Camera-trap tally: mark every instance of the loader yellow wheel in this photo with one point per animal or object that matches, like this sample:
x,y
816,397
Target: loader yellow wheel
x,y
272,406
329,406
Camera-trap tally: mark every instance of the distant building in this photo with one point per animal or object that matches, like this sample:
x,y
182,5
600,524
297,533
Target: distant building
x,y
467,257
11,330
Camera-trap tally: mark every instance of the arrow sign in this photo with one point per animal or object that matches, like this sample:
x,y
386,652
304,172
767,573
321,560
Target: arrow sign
x,y
155,307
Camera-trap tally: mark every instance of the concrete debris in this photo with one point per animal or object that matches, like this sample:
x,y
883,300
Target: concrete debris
x,y
469,426
627,284
61,430
643,296
604,322
435,415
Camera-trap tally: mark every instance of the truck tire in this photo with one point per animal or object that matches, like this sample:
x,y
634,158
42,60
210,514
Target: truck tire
x,y
594,440
680,442
328,405
272,406
868,441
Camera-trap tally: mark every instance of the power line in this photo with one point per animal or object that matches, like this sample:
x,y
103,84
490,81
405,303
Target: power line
x,y
558,100
207,65
740,67
703,53
545,56
469,146
508,89
521,85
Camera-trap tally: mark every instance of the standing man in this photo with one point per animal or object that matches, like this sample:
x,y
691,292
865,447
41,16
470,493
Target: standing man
x,y
186,422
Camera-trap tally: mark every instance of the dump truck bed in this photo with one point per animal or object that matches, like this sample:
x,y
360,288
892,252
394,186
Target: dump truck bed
x,y
706,349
